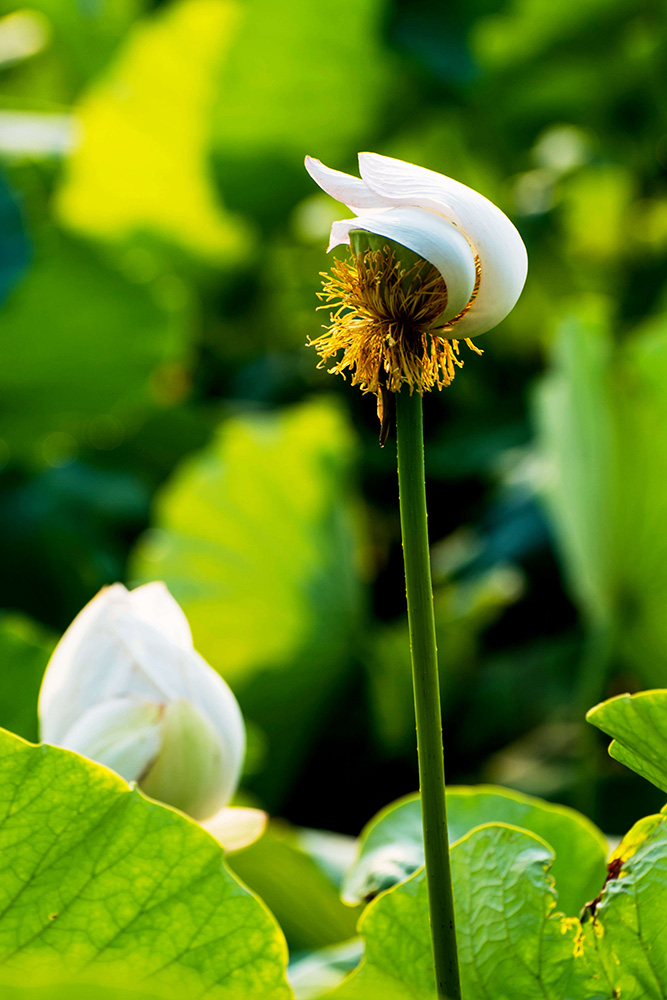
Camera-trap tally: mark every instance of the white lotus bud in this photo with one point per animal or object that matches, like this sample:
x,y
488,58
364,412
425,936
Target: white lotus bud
x,y
126,688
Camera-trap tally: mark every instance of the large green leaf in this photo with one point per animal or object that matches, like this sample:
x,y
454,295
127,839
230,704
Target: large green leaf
x,y
391,846
638,725
97,879
81,343
255,537
141,167
513,943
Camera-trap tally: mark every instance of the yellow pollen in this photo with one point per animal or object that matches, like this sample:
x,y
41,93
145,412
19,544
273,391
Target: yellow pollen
x,y
386,320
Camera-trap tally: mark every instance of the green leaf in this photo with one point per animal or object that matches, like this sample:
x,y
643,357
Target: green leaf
x,y
82,343
301,896
603,479
391,846
255,537
25,648
638,725
324,76
142,165
97,881
313,973
576,428
627,928
512,941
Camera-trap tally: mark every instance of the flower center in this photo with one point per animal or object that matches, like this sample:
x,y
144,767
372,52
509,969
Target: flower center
x,y
386,319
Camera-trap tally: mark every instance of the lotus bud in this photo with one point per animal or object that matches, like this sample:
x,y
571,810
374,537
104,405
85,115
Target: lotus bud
x,y
126,688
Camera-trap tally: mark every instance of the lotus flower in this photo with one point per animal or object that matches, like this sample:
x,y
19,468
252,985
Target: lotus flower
x,y
126,688
479,266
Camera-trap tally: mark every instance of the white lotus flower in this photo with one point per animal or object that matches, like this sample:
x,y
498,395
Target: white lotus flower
x,y
448,224
126,688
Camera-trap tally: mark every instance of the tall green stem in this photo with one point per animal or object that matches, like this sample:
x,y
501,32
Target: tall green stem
x,y
410,438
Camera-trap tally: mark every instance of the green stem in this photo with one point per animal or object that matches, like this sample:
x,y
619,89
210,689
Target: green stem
x,y
410,439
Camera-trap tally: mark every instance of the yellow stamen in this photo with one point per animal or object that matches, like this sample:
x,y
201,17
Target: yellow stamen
x,y
387,322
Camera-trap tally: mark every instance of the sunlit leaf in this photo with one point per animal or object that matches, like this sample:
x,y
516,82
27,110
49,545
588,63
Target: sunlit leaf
x,y
141,167
627,928
255,537
99,882
638,725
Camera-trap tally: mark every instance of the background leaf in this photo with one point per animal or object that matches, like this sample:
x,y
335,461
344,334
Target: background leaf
x,y
391,847
301,895
164,189
82,341
256,539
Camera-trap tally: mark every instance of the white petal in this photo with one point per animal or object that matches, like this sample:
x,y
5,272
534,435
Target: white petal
x,y
502,254
155,605
236,827
343,187
121,733
70,683
192,771
427,234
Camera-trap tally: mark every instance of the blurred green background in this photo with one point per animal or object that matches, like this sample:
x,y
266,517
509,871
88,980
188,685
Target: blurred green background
x,y
160,244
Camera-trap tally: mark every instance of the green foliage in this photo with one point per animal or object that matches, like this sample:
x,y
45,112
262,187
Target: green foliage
x,y
391,849
256,539
638,725
513,941
98,881
299,893
163,190
14,246
598,415
24,652
83,346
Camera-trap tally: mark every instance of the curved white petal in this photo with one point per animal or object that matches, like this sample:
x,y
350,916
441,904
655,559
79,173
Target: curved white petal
x,y
343,187
502,254
158,608
192,770
121,733
236,827
427,234
83,655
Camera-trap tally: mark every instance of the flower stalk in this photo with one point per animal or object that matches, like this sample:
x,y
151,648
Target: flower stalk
x,y
412,499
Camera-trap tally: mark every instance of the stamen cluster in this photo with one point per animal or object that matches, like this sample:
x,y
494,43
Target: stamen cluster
x,y
386,319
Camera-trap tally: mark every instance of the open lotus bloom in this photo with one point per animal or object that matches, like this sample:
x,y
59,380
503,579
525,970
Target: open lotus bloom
x,y
126,688
479,267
